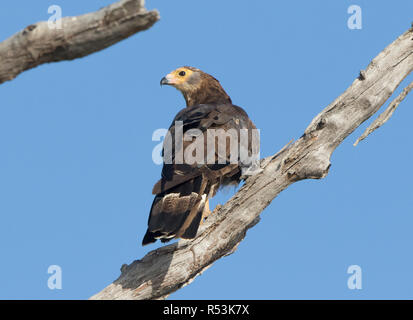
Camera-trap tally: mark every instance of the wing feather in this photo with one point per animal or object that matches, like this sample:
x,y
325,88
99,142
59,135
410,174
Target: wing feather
x,y
181,192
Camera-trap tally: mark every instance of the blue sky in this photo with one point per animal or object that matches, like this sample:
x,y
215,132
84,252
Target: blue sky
x,y
76,170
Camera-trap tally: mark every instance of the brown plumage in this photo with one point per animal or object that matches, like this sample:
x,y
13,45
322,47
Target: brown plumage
x,y
182,193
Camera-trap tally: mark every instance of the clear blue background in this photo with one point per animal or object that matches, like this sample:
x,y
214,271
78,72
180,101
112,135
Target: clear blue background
x,y
76,170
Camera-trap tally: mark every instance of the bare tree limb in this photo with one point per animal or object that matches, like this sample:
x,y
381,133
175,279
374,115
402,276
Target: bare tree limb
x,y
386,115
171,267
78,37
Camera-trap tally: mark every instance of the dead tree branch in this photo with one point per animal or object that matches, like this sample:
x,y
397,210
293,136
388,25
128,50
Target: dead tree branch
x,y
171,267
386,115
78,37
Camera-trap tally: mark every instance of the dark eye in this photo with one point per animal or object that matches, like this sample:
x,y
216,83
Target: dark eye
x,y
182,73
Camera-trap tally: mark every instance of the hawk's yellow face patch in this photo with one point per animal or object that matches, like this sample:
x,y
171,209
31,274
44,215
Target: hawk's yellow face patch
x,y
179,76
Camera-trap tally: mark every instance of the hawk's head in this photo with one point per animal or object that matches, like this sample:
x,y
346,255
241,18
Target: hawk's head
x,y
196,86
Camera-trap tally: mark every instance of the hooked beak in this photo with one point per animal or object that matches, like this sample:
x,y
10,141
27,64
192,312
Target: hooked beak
x,y
164,81
168,80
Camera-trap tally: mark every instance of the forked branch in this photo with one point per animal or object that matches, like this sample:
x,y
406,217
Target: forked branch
x,y
386,115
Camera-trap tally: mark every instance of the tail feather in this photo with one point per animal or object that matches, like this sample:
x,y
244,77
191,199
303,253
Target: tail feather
x,y
177,212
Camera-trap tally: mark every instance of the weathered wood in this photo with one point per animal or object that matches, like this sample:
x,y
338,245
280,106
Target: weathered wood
x,y
169,268
386,115
78,37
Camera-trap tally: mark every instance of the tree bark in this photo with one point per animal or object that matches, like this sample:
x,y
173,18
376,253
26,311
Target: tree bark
x,y
78,37
171,267
386,115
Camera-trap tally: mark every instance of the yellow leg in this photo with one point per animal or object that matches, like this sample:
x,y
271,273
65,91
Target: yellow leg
x,y
206,211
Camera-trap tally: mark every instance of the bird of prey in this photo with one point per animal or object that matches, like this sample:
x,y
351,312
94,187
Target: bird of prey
x,y
182,193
